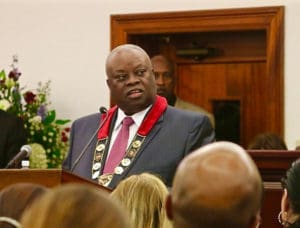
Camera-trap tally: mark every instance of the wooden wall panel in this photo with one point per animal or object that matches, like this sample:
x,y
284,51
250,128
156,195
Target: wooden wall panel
x,y
203,83
249,68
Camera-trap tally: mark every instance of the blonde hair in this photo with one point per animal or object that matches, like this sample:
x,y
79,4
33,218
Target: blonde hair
x,y
143,196
76,206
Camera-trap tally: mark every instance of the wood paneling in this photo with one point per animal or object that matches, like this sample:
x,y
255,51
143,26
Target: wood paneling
x,y
247,68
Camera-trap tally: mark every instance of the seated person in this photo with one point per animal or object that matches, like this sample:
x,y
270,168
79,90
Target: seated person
x,y
76,206
165,75
143,196
267,141
13,136
289,215
217,185
14,199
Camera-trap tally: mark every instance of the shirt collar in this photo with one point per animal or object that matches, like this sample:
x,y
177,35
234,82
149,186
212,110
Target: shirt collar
x,y
137,117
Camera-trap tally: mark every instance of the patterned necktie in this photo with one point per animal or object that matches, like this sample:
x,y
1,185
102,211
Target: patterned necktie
x,y
119,147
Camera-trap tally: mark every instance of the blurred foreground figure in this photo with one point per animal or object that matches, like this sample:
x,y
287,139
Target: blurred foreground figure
x,y
14,199
217,185
289,215
144,196
76,206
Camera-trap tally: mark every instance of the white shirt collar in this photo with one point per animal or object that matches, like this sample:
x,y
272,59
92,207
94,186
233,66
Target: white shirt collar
x,y
137,117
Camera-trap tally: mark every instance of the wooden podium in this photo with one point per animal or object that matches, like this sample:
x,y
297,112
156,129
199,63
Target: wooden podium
x,y
272,165
46,177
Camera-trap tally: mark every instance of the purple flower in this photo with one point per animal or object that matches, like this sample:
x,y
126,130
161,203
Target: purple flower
x,y
42,111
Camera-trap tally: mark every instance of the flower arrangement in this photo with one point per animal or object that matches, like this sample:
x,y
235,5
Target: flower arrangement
x,y
48,136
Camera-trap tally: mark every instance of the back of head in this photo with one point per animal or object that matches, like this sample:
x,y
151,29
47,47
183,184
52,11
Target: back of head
x,y
292,186
76,206
143,196
217,185
14,199
266,141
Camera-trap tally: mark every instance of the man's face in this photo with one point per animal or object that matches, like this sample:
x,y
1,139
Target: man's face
x,y
164,78
131,80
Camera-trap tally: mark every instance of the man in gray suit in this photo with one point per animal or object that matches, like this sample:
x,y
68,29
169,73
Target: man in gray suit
x,y
159,137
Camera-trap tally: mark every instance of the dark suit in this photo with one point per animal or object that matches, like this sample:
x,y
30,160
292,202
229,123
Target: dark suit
x,y
12,137
175,134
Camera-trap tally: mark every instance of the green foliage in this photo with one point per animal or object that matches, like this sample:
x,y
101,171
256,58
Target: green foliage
x,y
33,107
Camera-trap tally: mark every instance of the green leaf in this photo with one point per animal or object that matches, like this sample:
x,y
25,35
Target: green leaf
x,y
51,115
62,122
2,74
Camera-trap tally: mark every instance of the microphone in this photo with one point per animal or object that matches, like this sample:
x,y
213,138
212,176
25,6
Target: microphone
x,y
24,153
102,110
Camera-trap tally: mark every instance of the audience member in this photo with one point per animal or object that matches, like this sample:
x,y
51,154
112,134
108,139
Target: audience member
x,y
217,185
12,137
14,199
157,139
143,196
76,206
165,77
267,141
289,215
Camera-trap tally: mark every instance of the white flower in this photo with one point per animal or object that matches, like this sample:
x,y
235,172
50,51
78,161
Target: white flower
x,y
4,104
36,120
38,157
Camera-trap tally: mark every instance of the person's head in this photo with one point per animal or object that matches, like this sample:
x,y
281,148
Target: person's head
x,y
74,205
164,71
290,202
143,196
15,198
266,141
130,78
218,185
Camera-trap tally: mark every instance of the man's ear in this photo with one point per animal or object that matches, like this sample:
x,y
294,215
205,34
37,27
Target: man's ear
x,y
169,207
255,221
284,201
108,83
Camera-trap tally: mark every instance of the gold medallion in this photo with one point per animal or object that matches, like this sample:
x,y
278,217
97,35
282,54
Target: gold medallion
x,y
100,147
105,179
131,153
119,170
95,174
126,162
97,166
98,157
136,144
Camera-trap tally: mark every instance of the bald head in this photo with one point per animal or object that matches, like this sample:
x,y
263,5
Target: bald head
x,y
130,78
123,50
217,185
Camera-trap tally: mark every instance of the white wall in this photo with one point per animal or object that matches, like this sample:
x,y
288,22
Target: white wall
x,y
67,42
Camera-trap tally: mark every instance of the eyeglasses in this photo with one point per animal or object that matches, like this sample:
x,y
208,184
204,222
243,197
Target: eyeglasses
x,y
10,221
166,76
283,222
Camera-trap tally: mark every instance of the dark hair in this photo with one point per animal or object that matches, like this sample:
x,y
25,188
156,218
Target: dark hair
x,y
15,198
270,141
291,183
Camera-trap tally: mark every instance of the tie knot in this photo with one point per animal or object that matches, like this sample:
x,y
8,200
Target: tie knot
x,y
127,121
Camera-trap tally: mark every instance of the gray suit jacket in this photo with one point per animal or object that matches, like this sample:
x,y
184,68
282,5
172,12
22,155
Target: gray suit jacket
x,y
175,134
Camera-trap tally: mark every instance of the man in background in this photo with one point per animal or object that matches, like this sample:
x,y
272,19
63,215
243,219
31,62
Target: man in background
x,y
12,137
218,185
165,75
